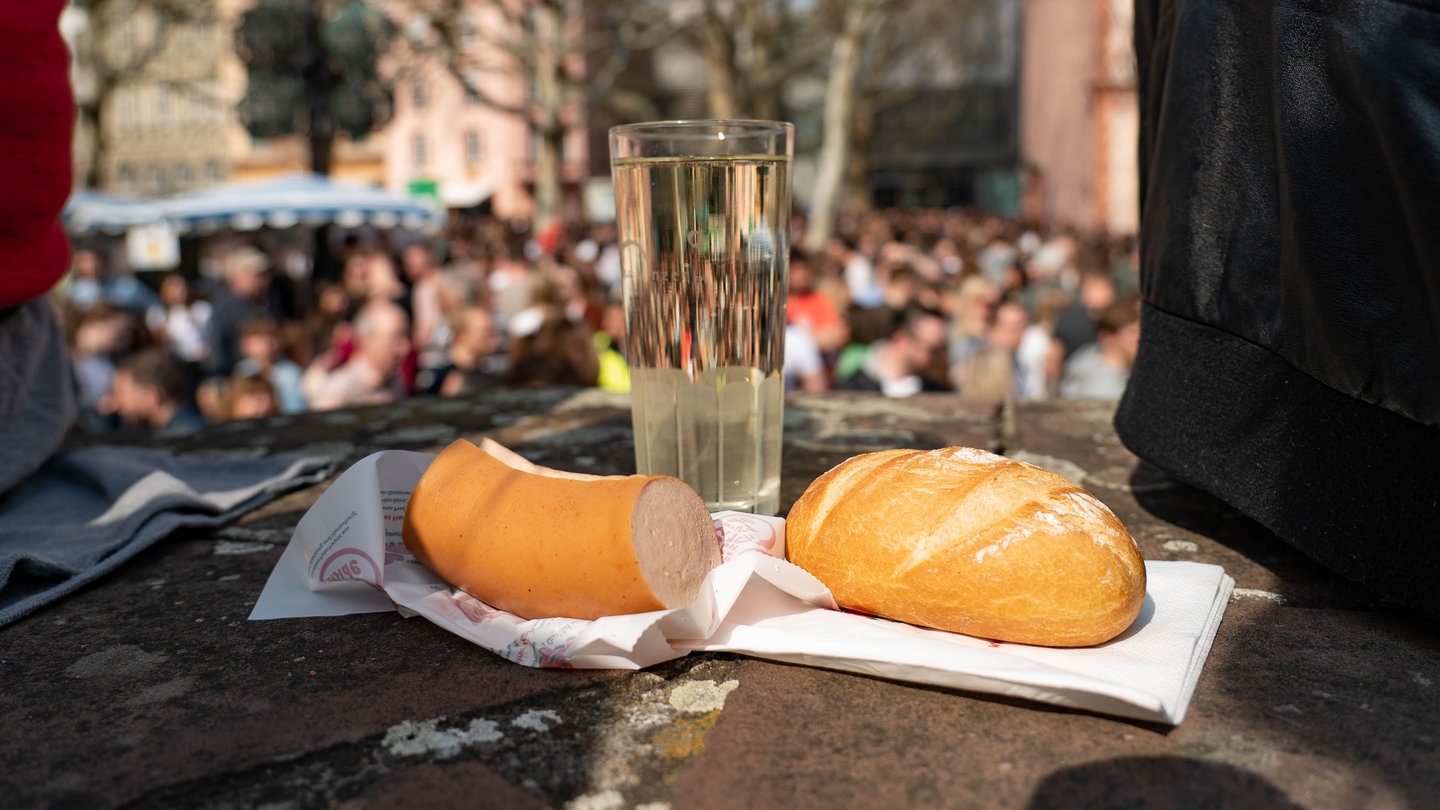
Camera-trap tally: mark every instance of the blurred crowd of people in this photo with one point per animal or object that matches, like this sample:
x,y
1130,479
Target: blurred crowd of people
x,y
897,302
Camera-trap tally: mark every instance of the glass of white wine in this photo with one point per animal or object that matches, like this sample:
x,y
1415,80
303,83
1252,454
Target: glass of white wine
x,y
703,220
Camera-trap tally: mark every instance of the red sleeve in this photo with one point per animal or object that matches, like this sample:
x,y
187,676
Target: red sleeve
x,y
37,118
814,310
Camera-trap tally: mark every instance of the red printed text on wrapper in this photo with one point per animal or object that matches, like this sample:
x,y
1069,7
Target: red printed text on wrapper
x,y
744,534
545,643
350,563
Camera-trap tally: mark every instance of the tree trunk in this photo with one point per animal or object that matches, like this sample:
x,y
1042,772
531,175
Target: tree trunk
x,y
720,64
548,115
838,120
321,149
856,194
92,117
764,92
318,81
548,177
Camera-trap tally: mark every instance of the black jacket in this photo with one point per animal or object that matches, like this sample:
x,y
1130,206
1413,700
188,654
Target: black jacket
x,y
1290,264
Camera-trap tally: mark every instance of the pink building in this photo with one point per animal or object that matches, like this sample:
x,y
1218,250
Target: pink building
x,y
1079,123
446,139
466,151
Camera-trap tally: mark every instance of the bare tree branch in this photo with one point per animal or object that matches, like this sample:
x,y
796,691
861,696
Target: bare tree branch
x,y
127,41
566,60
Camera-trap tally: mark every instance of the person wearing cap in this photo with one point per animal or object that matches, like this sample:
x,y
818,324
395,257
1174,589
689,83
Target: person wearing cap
x,y
244,297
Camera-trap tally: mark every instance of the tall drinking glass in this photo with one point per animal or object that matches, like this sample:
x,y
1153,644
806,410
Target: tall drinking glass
x,y
703,214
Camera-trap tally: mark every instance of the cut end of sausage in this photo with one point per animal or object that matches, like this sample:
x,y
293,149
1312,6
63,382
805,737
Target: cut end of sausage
x,y
675,541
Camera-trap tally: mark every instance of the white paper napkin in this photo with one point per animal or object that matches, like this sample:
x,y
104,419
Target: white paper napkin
x,y
346,556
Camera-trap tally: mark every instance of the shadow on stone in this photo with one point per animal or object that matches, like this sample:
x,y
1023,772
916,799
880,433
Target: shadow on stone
x,y
1156,782
1311,584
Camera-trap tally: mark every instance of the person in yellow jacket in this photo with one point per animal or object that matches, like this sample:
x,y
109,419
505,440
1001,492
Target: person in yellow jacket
x,y
610,343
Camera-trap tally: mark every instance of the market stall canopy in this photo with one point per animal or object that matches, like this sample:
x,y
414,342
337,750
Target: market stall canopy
x,y
465,194
89,211
296,199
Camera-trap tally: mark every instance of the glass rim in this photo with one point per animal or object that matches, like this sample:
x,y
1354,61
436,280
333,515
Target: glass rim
x,y
702,128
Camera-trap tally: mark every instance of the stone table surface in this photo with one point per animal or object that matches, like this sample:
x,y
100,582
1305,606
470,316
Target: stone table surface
x,y
150,689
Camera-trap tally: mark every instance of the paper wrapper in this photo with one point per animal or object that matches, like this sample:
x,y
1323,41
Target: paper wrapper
x,y
347,556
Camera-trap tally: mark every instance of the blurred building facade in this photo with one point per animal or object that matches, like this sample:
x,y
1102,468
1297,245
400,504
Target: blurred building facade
x,y
456,141
154,95
157,87
1045,125
1079,120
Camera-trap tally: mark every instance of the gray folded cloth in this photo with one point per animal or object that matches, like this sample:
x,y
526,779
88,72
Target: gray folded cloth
x,y
88,510
37,390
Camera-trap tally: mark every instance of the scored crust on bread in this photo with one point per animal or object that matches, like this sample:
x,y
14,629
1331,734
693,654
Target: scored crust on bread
x,y
540,543
970,542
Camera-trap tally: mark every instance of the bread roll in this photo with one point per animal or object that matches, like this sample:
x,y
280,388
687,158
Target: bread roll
x,y
540,543
967,541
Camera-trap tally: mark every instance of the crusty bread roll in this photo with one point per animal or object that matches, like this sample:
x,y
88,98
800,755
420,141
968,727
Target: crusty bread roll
x,y
970,542
541,543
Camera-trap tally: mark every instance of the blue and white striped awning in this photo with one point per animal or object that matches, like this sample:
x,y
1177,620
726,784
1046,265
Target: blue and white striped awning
x,y
90,211
296,199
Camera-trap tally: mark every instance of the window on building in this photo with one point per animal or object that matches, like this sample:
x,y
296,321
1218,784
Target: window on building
x,y
417,93
572,144
184,178
125,177
214,172
164,106
473,148
155,180
122,37
420,151
127,112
